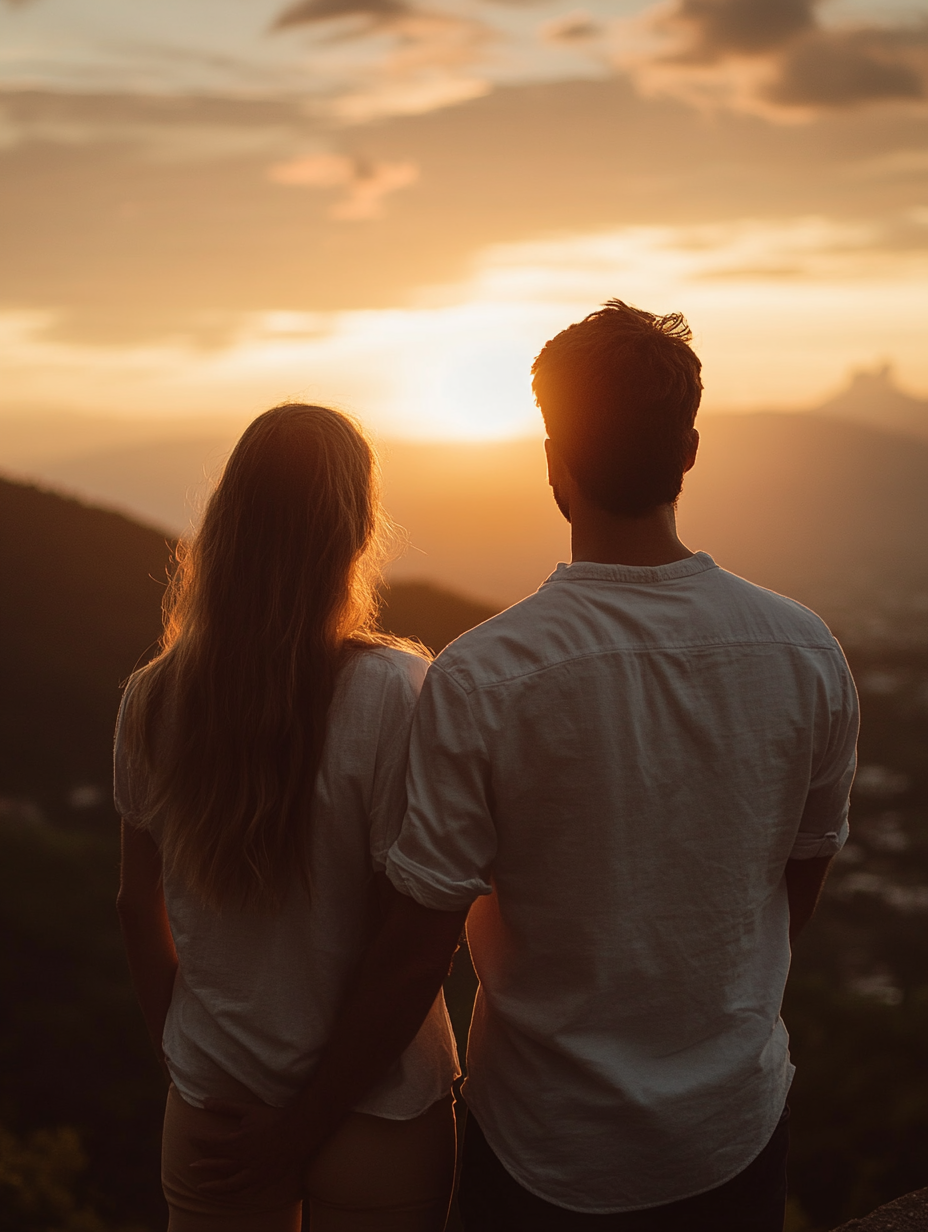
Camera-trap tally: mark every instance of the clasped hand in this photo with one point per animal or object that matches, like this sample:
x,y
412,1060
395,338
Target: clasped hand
x,y
259,1148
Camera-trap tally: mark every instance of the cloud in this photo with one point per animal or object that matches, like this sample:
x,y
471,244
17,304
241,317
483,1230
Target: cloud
x,y
152,130
780,309
366,183
434,59
839,68
574,28
715,28
773,56
421,58
350,60
368,12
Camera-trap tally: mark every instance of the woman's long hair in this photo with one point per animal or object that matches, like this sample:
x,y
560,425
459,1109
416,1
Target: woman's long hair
x,y
264,603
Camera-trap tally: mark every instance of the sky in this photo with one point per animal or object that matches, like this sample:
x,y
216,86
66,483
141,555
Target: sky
x,y
208,206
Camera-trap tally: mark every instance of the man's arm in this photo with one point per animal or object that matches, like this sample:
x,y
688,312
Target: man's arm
x,y
146,932
804,881
398,980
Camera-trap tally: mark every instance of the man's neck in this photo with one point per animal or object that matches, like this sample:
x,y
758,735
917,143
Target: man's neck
x,y
610,539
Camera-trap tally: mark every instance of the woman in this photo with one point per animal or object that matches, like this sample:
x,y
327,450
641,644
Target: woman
x,y
259,765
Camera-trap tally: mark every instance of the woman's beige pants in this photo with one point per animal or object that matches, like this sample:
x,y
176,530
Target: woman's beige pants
x,y
373,1175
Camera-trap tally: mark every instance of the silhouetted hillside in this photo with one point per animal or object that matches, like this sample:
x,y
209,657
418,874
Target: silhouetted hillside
x,y
82,590
874,398
81,605
434,616
162,482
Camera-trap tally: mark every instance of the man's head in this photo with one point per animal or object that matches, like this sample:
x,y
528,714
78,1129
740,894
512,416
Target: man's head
x,y
619,393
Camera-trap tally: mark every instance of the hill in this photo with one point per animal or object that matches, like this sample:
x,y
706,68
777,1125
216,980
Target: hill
x,y
160,482
81,608
826,509
479,516
874,398
832,513
82,593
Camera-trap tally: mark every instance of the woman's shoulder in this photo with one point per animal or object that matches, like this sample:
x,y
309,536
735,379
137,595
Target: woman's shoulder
x,y
383,665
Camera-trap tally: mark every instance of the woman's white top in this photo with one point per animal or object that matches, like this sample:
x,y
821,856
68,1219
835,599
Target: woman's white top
x,y
256,996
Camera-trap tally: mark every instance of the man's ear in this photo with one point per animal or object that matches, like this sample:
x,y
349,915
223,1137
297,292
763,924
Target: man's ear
x,y
692,450
555,462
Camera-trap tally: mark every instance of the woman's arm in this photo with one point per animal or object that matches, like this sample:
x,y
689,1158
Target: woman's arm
x,y
146,932
804,882
394,988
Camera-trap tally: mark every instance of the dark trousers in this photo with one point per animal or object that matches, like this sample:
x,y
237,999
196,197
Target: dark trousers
x,y
753,1201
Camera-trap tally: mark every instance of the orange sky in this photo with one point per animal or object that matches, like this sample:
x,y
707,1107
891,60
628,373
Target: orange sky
x,y
391,205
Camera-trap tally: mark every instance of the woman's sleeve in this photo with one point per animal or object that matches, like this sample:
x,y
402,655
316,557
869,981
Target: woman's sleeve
x,y
388,799
125,786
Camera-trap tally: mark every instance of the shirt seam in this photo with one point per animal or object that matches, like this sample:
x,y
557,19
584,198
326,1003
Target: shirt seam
x,y
449,672
566,576
466,694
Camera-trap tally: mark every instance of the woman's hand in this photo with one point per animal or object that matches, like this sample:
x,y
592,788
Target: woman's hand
x,y
260,1147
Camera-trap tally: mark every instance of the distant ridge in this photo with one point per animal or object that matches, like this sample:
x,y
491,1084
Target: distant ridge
x,y
832,513
161,482
829,506
874,398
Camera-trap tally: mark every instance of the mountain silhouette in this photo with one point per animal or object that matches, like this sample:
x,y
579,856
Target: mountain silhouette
x,y
82,594
81,609
874,398
829,512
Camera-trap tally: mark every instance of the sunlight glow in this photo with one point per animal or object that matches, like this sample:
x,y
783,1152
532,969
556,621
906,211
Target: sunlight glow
x,y
780,313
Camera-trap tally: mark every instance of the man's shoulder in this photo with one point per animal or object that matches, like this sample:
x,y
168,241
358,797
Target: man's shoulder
x,y
770,613
560,623
497,649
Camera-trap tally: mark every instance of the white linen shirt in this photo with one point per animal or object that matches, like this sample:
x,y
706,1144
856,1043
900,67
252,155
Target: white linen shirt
x,y
617,770
255,997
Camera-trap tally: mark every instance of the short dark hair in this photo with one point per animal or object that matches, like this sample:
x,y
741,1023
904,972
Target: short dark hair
x,y
619,393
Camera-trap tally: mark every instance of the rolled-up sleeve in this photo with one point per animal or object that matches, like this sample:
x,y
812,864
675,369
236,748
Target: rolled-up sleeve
x,y
823,830
444,854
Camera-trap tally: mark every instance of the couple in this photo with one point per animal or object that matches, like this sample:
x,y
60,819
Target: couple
x,y
629,785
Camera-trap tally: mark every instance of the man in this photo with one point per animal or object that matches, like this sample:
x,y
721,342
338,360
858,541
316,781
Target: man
x,y
637,776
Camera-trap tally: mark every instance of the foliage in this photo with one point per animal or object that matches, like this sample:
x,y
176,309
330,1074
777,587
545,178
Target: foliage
x,y
72,1047
860,1114
40,1184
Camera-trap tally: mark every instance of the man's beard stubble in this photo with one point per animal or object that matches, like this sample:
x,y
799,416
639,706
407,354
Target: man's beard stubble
x,y
560,501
